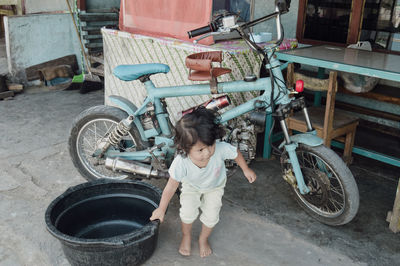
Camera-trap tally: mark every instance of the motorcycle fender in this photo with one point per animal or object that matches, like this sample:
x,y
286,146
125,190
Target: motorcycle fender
x,y
307,139
130,108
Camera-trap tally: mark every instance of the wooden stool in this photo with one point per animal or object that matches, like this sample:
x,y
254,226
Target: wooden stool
x,y
328,122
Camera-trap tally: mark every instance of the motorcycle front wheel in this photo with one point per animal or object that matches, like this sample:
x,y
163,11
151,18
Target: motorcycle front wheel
x,y
333,198
89,131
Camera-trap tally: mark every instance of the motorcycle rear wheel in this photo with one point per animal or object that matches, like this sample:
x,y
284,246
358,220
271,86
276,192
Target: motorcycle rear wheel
x,y
334,196
90,128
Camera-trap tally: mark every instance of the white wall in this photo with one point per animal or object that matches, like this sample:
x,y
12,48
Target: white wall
x,y
40,6
35,39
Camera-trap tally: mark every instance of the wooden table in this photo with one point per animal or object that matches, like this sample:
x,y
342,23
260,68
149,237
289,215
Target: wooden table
x,y
384,66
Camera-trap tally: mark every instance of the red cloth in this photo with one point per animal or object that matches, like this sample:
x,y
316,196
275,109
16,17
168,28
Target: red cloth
x,y
165,18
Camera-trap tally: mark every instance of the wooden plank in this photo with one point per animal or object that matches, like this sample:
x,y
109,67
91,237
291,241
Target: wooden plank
x,y
102,23
6,12
104,10
95,51
99,71
301,19
98,16
3,85
290,75
94,45
355,21
15,87
6,94
366,111
89,28
394,216
343,130
81,4
370,103
330,108
374,95
92,37
380,128
8,2
97,59
311,83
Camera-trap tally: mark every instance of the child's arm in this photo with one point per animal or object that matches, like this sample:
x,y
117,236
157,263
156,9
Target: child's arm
x,y
248,173
166,196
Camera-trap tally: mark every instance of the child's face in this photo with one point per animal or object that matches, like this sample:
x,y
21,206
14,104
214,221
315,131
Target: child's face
x,y
200,153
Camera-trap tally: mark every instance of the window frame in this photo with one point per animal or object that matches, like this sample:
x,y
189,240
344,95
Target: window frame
x,y
354,30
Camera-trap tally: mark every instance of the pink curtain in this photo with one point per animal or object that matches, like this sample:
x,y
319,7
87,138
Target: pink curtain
x,y
160,18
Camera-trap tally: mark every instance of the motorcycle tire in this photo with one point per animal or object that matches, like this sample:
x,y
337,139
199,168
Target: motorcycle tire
x,y
334,197
90,128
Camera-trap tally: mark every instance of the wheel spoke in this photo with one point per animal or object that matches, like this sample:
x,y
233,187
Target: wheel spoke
x,y
335,190
315,171
108,129
89,143
333,201
328,180
315,162
91,135
307,160
101,133
88,151
95,131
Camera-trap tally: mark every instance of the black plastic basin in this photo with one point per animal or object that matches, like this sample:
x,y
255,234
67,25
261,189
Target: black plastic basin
x,y
105,222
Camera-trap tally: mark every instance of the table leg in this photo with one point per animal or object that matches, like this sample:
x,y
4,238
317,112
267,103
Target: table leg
x,y
318,94
394,216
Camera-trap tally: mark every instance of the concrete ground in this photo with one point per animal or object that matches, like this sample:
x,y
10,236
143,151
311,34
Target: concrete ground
x,y
261,224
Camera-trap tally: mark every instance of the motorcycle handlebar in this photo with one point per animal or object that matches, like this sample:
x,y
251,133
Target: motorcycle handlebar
x,y
200,31
281,7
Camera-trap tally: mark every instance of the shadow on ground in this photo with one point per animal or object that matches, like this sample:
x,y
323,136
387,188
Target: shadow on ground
x,y
366,239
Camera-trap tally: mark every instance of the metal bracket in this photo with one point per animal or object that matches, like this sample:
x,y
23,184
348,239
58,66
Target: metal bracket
x,y
214,86
155,162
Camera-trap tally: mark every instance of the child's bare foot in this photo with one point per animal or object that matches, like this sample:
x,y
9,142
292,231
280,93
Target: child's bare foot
x,y
185,247
205,249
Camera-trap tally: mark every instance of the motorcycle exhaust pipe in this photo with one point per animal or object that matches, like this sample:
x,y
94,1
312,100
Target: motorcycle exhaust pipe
x,y
134,167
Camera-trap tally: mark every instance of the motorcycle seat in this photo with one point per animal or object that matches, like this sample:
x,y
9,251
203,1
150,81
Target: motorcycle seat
x,y
133,72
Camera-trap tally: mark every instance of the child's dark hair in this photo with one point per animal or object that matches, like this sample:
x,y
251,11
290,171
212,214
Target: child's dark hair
x,y
199,125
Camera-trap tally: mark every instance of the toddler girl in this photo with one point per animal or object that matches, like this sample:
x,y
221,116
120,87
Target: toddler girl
x,y
200,168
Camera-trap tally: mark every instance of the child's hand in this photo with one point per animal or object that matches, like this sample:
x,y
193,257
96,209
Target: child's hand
x,y
158,214
250,175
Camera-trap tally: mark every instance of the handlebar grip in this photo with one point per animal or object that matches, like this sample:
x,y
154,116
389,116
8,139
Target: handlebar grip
x,y
201,31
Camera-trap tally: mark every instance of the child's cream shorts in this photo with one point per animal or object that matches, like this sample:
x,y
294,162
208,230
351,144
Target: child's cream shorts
x,y
209,202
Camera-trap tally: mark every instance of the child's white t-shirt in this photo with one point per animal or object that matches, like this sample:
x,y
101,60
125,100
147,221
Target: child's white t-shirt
x,y
213,175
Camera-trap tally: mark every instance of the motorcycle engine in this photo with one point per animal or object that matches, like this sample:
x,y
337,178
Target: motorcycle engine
x,y
149,119
242,135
